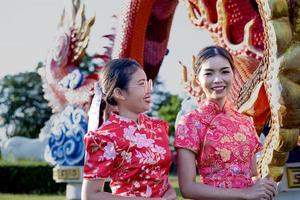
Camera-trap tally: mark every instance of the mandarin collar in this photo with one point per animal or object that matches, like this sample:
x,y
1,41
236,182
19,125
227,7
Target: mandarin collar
x,y
126,121
214,108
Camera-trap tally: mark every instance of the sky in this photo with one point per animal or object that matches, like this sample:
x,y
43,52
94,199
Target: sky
x,y
28,28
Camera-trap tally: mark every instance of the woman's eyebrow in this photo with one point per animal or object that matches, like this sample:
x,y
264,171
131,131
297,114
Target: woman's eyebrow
x,y
210,70
141,80
225,68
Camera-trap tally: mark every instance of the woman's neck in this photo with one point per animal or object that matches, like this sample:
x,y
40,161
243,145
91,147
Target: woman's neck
x,y
128,114
220,102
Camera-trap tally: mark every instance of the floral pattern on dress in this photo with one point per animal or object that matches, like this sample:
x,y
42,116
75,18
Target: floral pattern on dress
x,y
136,156
109,152
224,142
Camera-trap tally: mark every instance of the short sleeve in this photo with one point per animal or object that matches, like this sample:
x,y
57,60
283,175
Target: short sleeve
x,y
99,155
186,135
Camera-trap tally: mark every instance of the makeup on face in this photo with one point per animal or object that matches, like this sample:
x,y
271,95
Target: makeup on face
x,y
215,77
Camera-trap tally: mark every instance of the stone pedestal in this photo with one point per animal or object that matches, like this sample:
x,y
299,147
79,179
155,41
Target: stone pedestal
x,y
291,178
289,186
73,191
72,175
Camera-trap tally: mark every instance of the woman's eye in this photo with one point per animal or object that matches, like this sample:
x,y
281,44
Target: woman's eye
x,y
225,72
142,84
207,74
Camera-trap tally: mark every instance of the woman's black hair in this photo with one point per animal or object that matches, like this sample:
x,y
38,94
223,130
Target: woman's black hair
x,y
116,74
211,51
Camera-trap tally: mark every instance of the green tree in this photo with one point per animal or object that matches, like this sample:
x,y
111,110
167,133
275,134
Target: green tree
x,y
159,97
165,105
23,109
168,111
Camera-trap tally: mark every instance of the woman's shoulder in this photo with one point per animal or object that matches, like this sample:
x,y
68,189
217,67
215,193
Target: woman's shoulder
x,y
107,129
241,116
155,121
109,126
195,113
195,116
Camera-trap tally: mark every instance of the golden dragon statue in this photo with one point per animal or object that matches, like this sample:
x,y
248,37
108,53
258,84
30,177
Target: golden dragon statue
x,y
262,35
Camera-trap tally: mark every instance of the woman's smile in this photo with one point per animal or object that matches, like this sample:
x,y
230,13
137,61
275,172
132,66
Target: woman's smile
x,y
215,78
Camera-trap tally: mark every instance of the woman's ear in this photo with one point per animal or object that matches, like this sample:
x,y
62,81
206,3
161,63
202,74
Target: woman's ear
x,y
118,94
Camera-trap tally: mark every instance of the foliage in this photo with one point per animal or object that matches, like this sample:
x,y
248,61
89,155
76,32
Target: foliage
x,y
23,109
165,105
169,110
160,97
17,177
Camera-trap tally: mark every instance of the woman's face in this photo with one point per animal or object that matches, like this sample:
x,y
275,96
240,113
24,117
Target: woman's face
x,y
215,78
138,94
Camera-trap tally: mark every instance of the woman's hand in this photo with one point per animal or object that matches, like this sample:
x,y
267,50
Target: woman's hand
x,y
170,194
262,189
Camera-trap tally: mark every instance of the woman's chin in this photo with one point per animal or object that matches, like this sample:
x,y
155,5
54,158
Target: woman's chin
x,y
146,108
218,97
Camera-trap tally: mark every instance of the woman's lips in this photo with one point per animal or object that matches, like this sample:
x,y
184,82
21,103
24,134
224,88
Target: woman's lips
x,y
218,88
147,99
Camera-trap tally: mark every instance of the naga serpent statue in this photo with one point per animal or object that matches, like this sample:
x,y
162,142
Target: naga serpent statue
x,y
262,35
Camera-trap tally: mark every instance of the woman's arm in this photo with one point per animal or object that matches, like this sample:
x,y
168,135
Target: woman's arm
x,y
93,189
256,178
192,190
254,168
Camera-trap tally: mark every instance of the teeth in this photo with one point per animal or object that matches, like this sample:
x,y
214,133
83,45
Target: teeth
x,y
218,88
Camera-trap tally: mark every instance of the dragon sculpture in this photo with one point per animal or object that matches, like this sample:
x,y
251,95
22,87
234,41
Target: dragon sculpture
x,y
262,35
68,82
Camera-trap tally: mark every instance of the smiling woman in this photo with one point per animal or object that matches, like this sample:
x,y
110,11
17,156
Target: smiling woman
x,y
222,141
129,147
214,70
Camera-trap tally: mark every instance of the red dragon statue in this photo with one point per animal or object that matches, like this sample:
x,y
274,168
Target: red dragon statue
x,y
262,35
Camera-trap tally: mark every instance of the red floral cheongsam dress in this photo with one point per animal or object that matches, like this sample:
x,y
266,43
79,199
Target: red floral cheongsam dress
x,y
224,142
136,156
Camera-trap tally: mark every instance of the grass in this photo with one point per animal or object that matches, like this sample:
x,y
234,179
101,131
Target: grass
x,y
22,163
174,182
4,196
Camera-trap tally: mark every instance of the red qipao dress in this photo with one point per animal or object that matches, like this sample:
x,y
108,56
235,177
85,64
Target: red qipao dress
x,y
224,142
136,156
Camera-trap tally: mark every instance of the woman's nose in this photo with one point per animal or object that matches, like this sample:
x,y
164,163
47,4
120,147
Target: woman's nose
x,y
149,86
217,79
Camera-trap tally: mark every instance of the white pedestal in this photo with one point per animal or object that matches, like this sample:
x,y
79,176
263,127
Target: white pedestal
x,y
72,175
73,191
